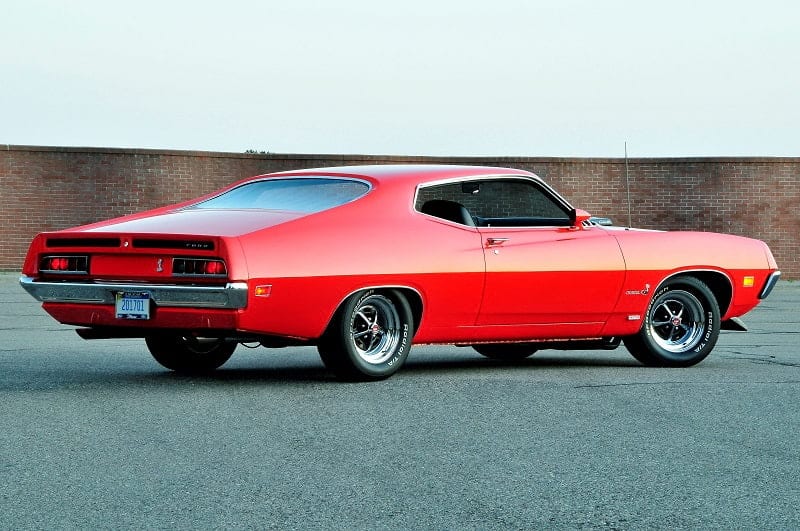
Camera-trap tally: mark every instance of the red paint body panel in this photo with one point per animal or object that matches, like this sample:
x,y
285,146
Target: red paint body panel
x,y
551,275
163,318
733,257
538,283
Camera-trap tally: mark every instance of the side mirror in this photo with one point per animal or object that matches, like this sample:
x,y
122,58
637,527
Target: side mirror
x,y
605,222
580,216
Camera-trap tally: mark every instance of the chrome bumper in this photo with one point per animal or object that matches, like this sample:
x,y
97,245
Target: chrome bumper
x,y
769,284
233,295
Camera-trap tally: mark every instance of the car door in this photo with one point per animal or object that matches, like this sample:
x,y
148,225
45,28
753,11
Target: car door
x,y
540,269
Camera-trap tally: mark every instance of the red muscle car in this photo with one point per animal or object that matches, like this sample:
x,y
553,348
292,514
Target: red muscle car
x,y
364,261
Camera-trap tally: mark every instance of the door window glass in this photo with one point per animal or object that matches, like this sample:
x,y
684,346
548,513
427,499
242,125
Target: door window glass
x,y
498,203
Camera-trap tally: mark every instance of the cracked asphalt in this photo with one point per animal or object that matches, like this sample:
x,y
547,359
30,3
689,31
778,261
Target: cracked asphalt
x,y
96,435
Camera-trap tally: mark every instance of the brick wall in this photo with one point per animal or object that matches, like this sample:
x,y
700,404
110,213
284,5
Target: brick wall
x,y
45,188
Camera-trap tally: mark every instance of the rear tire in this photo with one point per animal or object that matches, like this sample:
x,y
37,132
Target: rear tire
x,y
188,354
369,337
505,351
681,325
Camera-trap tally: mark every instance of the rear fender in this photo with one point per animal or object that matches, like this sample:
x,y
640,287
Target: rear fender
x,y
413,297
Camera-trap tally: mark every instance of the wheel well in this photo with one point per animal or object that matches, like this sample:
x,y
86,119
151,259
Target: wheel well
x,y
717,282
412,296
415,301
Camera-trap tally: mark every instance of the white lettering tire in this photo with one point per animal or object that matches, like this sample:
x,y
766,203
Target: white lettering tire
x,y
681,325
369,337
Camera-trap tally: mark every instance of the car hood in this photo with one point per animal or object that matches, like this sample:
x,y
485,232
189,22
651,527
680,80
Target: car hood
x,y
202,221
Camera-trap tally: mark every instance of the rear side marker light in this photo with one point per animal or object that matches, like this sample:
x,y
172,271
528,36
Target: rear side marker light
x,y
198,267
65,264
264,290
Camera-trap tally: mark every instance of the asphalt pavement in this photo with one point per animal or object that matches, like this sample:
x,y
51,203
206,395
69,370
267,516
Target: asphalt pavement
x,y
95,434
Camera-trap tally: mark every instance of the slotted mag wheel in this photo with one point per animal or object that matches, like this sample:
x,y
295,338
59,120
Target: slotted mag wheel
x,y
375,329
677,322
369,336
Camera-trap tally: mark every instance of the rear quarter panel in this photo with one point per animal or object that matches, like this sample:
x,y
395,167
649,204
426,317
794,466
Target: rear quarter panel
x,y
313,263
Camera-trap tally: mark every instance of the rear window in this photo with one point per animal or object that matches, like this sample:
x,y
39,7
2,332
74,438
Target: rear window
x,y
305,195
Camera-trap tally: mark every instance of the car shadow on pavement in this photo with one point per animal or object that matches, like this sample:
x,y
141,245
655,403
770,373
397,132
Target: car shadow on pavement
x,y
158,379
541,361
416,366
82,378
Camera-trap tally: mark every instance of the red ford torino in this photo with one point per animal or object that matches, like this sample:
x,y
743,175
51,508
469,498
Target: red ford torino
x,y
363,261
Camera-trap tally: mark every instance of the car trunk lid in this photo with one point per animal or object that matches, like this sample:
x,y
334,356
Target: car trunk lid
x,y
210,222
125,257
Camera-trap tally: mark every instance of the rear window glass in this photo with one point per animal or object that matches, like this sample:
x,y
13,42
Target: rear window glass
x,y
297,195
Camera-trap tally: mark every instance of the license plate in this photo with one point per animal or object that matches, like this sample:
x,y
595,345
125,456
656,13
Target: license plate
x,y
132,305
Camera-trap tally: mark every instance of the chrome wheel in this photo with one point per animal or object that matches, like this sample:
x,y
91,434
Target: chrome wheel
x,y
375,329
677,322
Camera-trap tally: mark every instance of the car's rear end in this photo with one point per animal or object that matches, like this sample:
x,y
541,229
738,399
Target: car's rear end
x,y
178,276
124,284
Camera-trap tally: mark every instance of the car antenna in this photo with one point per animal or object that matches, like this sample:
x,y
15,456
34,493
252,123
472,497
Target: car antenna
x,y
628,185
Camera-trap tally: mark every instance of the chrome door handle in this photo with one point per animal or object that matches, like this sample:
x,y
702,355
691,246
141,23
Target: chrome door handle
x,y
494,242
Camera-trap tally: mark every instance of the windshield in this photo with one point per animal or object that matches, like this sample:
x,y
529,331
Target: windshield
x,y
305,195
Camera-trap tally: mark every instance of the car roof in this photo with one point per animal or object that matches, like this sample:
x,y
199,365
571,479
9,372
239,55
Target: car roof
x,y
407,173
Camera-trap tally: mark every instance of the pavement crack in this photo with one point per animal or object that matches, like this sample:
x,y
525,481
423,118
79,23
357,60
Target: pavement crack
x,y
655,384
763,359
629,384
776,362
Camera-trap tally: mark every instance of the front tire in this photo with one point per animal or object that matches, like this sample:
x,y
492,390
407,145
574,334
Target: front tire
x,y
369,337
188,354
681,325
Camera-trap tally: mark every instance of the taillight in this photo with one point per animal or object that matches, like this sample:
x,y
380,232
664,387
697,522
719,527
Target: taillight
x,y
215,268
64,264
198,267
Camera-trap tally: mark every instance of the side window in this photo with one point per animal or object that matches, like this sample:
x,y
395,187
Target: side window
x,y
494,203
446,201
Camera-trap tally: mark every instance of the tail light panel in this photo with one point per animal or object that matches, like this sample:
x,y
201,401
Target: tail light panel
x,y
64,264
199,267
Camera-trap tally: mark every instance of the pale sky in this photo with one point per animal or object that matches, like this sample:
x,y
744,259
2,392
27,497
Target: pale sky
x,y
416,77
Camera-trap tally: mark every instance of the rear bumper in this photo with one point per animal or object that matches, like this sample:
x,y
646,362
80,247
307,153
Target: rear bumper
x,y
231,296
